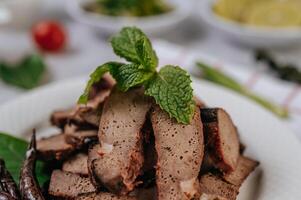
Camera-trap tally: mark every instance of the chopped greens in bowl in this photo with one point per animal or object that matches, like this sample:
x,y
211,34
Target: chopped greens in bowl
x,y
136,8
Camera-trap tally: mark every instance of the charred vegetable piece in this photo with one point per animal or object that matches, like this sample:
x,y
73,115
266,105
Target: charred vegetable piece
x,y
7,183
29,187
6,196
221,139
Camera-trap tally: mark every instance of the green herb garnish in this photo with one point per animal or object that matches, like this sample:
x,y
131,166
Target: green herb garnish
x,y
13,151
170,87
26,74
137,8
219,78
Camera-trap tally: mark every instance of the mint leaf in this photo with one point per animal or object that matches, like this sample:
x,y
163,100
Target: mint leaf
x,y
130,75
13,152
133,45
172,90
124,43
147,55
95,77
26,74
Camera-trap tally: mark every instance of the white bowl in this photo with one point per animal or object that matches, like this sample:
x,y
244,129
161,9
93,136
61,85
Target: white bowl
x,y
149,24
18,13
257,37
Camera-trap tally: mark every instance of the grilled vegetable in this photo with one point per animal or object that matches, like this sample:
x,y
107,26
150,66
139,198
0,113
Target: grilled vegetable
x,y
7,183
29,187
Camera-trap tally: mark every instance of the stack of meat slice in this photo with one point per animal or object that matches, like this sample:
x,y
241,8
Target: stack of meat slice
x,y
224,169
123,146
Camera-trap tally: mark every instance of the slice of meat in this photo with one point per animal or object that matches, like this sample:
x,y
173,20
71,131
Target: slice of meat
x,y
93,159
121,152
69,185
214,188
88,115
77,137
54,148
180,152
61,117
82,116
244,167
101,90
103,196
77,164
221,139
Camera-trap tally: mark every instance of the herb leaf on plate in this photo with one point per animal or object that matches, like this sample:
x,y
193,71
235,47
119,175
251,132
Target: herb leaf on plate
x,y
147,55
130,75
133,45
96,76
171,88
26,74
13,151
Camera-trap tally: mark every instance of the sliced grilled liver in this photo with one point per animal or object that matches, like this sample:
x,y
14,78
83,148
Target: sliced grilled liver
x,y
180,152
77,164
214,188
79,138
88,115
221,139
244,167
68,185
103,196
121,153
54,148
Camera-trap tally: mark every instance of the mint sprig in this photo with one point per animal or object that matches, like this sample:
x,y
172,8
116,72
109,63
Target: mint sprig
x,y
170,87
172,90
133,45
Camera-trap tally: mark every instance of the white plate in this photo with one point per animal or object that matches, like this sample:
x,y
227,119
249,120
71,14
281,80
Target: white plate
x,y
112,24
268,140
248,35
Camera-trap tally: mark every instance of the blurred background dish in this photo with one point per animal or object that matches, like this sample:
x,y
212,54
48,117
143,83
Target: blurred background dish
x,y
19,13
164,17
257,24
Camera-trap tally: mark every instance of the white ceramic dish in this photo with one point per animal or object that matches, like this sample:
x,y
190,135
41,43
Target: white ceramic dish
x,y
19,13
247,35
268,140
151,24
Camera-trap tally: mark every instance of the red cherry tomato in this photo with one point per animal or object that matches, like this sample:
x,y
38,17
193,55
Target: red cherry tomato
x,y
49,36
